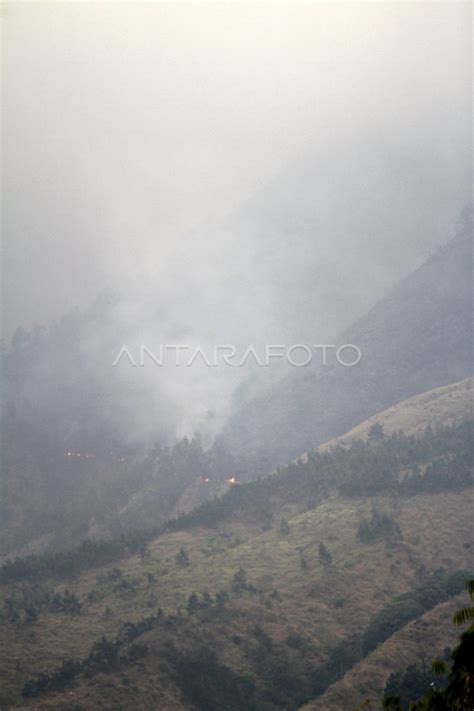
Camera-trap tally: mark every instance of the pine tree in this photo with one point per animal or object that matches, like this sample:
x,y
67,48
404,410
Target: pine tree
x,y
193,604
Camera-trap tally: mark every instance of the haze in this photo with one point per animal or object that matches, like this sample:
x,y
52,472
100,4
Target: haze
x,y
237,173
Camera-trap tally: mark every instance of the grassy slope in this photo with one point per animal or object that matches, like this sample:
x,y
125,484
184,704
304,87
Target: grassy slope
x,y
419,642
439,406
364,577
443,405
324,604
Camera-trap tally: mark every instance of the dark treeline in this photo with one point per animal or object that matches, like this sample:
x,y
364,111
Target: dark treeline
x,y
167,471
70,563
366,468
379,525
104,657
447,686
107,655
439,459
284,678
411,683
26,604
399,612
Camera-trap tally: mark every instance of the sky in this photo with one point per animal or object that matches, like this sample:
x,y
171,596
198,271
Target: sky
x,y
238,172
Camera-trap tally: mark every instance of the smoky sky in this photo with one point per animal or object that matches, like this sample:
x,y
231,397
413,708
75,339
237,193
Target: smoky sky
x,y
238,173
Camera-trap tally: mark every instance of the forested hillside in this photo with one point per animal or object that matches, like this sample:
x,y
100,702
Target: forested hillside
x,y
236,356
68,472
262,600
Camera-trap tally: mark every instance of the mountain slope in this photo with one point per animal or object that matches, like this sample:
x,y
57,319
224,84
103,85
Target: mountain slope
x,y
307,595
438,406
417,643
306,613
417,338
67,471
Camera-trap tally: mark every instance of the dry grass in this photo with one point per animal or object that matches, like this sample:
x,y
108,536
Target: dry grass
x,y
444,405
363,578
325,604
419,642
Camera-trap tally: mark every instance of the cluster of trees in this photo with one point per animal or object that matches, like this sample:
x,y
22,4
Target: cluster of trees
x,y
24,605
222,685
206,601
392,617
284,527
366,468
65,602
107,655
120,582
239,586
324,555
56,681
104,657
374,466
450,684
447,472
182,558
132,630
282,680
239,582
167,471
282,669
411,605
211,685
410,684
69,563
251,501
379,525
